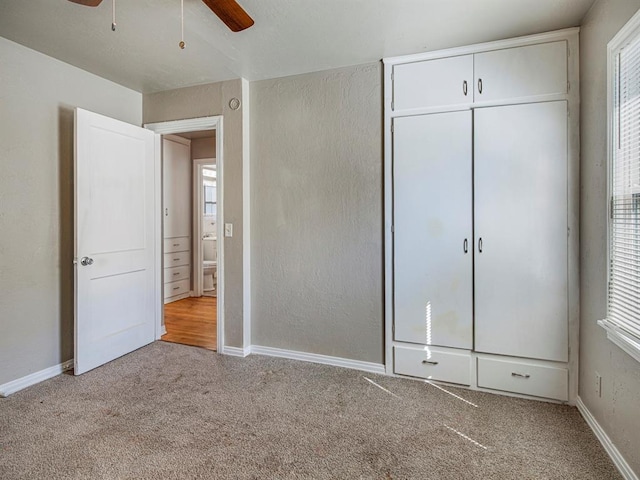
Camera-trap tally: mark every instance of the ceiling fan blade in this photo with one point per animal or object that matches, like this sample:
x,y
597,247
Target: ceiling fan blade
x,y
87,3
232,14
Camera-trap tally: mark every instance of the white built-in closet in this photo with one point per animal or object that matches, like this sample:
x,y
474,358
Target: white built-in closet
x,y
176,189
481,215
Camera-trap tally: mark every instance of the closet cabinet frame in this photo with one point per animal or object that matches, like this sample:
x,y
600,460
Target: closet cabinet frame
x,y
571,36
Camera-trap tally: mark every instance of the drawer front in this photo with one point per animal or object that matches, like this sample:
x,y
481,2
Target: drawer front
x,y
522,377
178,244
177,259
433,364
176,288
174,274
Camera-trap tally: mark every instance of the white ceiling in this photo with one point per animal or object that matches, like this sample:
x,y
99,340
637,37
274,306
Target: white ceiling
x,y
289,36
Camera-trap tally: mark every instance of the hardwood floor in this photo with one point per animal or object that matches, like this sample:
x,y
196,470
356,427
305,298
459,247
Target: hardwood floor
x,y
192,321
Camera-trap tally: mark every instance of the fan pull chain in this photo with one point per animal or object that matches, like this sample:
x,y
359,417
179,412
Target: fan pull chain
x,y
181,44
113,16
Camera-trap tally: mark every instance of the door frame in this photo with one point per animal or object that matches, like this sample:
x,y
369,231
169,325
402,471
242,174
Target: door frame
x,y
198,201
184,126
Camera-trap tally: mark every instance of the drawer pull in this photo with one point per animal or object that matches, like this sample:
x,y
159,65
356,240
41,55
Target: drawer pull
x,y
176,288
176,244
520,375
176,273
176,259
427,362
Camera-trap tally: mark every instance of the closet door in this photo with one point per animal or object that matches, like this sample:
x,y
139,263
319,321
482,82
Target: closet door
x,y
433,83
176,160
520,177
432,223
521,72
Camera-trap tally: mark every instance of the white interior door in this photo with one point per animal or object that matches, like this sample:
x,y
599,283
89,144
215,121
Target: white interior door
x,y
432,207
521,223
114,239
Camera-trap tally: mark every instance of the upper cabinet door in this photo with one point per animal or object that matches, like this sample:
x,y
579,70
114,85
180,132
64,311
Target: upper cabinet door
x,y
521,72
433,83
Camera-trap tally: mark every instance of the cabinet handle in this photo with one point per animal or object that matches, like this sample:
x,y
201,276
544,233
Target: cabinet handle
x,y
176,273
176,288
520,375
427,362
465,245
464,87
176,244
480,245
479,85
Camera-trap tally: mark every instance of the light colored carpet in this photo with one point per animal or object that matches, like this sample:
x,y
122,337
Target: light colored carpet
x,y
170,411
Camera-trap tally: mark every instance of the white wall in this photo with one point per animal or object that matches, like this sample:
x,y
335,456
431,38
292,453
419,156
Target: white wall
x,y
618,410
37,97
316,222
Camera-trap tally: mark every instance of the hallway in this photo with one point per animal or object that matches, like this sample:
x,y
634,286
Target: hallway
x,y
192,321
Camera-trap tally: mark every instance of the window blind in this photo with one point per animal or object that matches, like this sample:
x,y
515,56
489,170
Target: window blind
x,y
624,243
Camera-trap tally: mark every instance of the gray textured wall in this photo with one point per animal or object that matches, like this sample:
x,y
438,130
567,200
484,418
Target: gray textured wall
x,y
316,213
37,98
203,101
617,409
203,148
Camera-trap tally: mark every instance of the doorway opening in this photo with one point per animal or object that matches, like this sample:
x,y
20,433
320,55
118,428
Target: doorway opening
x,y
192,244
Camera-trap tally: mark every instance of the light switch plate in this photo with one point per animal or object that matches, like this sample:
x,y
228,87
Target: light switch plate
x,y
228,229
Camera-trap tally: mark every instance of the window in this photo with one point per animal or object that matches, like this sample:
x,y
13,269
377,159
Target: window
x,y
209,175
623,308
209,200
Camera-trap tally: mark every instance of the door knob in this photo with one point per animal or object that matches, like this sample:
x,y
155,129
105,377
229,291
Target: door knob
x,y
86,261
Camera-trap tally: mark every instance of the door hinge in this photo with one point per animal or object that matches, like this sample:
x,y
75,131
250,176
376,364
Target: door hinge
x,y
391,104
392,75
568,86
391,126
393,229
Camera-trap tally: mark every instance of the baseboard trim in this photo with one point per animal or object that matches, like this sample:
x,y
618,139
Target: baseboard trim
x,y
617,458
33,378
236,351
317,358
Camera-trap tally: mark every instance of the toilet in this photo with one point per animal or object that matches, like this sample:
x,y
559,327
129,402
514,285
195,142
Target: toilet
x,y
209,266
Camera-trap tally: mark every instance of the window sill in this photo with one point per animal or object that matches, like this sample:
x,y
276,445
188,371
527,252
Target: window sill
x,y
622,339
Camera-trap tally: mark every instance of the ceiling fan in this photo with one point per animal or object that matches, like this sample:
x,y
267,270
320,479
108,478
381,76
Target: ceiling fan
x,y
229,11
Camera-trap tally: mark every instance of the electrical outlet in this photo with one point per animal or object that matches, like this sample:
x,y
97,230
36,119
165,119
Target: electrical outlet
x,y
228,229
598,384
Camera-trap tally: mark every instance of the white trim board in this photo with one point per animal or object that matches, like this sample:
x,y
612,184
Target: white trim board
x,y
317,358
236,351
33,378
617,458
